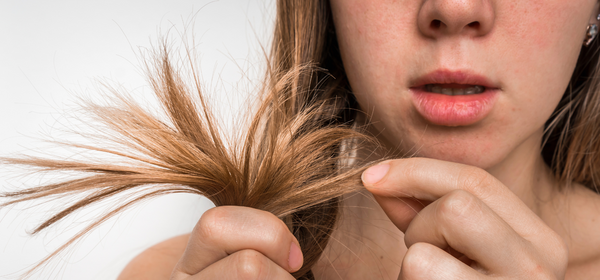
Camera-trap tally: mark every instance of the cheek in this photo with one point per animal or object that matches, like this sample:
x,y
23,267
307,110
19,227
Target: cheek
x,y
373,37
539,48
540,38
538,23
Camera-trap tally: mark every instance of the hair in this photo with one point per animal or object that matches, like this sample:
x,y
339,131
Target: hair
x,y
572,134
289,161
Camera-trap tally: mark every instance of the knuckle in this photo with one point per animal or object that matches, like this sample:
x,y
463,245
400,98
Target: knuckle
x,y
250,265
456,205
219,225
210,224
274,232
278,227
473,178
418,260
281,234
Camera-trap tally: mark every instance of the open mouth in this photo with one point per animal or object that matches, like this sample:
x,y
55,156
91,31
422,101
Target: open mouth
x,y
453,97
454,89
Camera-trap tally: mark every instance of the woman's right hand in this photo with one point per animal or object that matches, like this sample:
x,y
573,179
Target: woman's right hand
x,y
233,242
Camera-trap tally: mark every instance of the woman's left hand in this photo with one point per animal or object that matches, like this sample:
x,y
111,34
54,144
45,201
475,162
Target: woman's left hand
x,y
474,227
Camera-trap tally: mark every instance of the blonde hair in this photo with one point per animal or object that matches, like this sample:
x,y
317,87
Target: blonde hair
x,y
288,162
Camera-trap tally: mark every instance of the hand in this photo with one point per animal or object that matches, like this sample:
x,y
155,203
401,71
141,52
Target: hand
x,y
232,242
462,223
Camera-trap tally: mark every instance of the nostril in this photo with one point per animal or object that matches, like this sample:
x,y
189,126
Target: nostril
x,y
435,24
474,24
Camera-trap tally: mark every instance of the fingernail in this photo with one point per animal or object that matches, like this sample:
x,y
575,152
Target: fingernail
x,y
295,259
374,174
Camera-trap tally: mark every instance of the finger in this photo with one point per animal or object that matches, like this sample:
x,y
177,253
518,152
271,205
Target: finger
x,y
430,179
461,221
244,264
404,210
225,230
425,261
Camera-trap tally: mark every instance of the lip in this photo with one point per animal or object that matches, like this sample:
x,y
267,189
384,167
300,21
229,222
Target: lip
x,y
457,110
444,76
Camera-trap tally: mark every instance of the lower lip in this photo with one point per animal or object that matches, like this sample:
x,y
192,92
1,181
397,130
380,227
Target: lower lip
x,y
457,110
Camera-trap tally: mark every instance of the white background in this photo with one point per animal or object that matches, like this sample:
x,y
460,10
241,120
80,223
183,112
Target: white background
x,y
52,51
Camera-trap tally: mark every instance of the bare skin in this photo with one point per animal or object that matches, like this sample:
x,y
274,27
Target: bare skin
x,y
382,244
478,202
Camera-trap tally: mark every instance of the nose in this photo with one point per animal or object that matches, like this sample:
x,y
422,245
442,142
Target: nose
x,y
456,17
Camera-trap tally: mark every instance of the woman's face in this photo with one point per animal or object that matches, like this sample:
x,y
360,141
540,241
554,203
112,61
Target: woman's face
x,y
511,58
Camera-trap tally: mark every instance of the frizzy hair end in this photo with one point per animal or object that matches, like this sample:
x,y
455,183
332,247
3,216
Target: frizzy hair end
x,y
286,163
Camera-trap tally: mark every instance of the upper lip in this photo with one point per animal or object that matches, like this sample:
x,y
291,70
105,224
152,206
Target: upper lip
x,y
462,77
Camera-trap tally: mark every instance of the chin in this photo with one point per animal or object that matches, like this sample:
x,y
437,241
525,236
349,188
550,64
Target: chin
x,y
473,151
484,161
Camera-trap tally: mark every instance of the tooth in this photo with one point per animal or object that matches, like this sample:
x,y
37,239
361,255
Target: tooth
x,y
447,91
454,91
435,89
471,90
458,91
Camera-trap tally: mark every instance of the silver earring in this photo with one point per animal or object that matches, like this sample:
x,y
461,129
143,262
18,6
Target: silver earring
x,y
592,31
590,35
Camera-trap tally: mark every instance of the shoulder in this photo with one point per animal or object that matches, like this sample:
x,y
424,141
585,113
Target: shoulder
x,y
156,262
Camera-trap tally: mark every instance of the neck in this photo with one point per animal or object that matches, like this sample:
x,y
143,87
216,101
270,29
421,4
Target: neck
x,y
364,227
527,175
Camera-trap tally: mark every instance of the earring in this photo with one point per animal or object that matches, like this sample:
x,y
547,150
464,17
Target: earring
x,y
590,35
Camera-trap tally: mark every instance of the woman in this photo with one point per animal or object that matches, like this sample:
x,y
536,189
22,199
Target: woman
x,y
469,90
468,87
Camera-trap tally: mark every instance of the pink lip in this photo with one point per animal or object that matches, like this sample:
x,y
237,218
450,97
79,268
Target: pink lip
x,y
458,110
453,77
